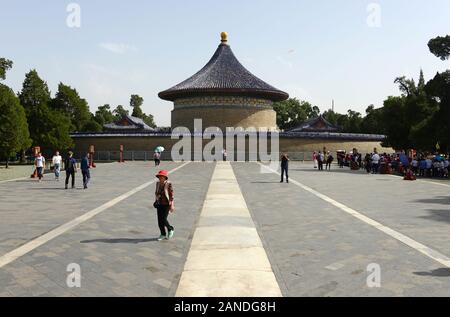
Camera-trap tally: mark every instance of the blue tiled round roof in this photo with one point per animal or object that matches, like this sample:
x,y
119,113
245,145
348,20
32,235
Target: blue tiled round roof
x,y
223,75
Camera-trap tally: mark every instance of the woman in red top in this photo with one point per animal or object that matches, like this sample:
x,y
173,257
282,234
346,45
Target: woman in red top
x,y
164,203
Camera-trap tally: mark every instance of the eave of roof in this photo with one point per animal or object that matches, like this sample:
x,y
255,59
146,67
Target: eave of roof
x,y
223,75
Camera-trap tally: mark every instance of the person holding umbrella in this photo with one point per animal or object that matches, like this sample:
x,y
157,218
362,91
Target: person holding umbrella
x,y
164,204
157,155
157,158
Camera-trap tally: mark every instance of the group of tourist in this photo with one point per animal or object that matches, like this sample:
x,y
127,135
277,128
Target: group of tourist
x,y
423,164
70,166
164,197
321,158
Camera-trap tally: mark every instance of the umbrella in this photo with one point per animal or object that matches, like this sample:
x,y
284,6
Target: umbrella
x,y
160,149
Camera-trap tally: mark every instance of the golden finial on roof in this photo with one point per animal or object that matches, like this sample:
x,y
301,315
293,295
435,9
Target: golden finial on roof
x,y
224,36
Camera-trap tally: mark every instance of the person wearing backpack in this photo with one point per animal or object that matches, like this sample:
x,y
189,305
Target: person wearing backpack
x,y
164,204
84,166
284,167
70,165
320,159
330,160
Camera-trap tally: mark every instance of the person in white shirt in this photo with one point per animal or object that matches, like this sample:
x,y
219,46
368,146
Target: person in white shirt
x,y
56,161
375,162
40,163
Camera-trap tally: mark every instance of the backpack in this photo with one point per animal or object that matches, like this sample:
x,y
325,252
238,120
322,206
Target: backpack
x,y
70,165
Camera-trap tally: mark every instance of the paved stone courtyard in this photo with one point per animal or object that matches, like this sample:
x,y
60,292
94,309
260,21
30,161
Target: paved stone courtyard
x,y
316,235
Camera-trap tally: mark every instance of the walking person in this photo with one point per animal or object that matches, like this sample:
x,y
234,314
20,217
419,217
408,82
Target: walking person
x,y
56,162
284,167
314,157
375,162
157,158
224,155
39,161
164,204
330,160
70,166
84,166
320,160
367,163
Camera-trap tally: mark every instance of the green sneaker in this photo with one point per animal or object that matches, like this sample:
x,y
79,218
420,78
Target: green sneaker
x,y
161,238
171,234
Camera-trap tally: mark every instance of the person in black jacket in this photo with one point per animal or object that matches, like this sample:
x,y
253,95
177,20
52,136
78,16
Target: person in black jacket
x,y
84,166
70,165
284,167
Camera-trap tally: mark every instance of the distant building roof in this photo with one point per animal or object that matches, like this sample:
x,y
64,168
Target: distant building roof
x,y
223,75
318,124
128,123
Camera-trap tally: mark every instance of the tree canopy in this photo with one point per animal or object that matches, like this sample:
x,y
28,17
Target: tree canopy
x,y
440,47
136,103
5,65
293,112
69,103
120,112
48,128
14,135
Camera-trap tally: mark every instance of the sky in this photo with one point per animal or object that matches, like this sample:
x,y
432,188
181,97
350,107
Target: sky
x,y
350,51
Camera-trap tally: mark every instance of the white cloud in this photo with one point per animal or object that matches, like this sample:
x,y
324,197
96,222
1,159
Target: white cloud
x,y
296,91
118,48
285,62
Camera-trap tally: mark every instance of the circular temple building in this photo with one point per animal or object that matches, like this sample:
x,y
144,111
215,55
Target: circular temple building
x,y
224,94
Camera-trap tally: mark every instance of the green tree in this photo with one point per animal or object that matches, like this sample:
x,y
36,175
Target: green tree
x,y
372,123
293,112
396,125
92,125
438,90
48,128
14,135
136,102
104,115
69,102
406,119
149,120
406,86
34,92
440,47
5,65
120,112
333,117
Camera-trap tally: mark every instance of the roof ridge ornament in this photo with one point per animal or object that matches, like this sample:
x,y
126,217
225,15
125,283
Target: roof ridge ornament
x,y
224,37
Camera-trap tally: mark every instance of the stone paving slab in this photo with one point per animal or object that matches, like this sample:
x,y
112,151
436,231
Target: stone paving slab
x,y
29,208
316,249
117,249
227,258
420,210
